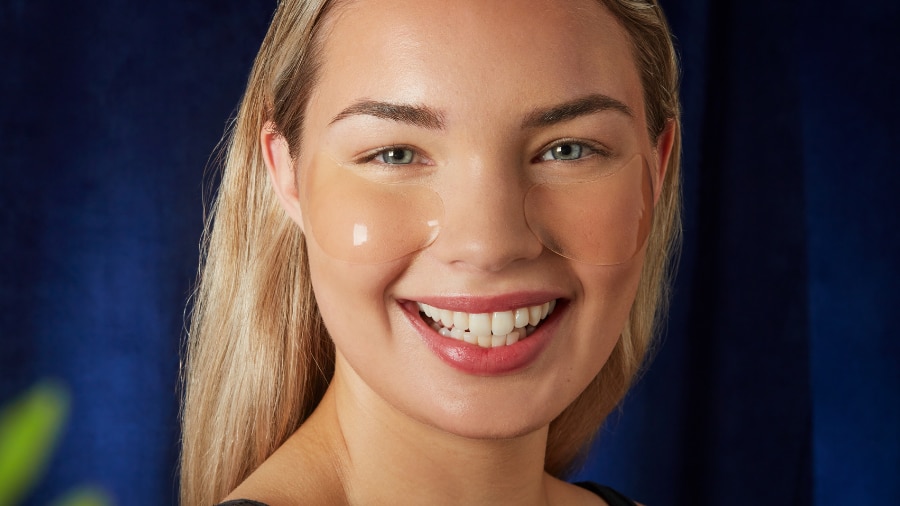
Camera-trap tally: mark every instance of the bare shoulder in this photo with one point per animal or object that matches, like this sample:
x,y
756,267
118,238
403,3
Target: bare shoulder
x,y
294,474
561,492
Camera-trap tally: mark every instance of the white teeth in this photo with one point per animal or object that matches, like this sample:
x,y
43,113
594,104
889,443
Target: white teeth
x,y
460,320
447,318
487,330
502,323
521,317
534,315
428,310
480,324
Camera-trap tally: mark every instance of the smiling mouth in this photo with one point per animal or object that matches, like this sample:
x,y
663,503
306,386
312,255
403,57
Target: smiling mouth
x,y
487,330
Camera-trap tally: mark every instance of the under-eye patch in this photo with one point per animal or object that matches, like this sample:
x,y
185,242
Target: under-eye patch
x,y
599,218
598,213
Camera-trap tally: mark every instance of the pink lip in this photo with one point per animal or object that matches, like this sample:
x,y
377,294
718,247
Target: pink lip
x,y
505,302
476,360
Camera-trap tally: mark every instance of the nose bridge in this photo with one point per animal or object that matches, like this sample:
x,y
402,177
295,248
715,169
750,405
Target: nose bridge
x,y
484,220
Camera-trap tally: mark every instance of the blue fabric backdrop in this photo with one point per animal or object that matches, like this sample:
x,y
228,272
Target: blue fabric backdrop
x,y
778,380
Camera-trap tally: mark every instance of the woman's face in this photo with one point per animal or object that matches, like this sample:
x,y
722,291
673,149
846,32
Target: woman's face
x,y
443,132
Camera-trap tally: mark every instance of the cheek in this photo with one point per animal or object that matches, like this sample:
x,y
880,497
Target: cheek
x,y
612,290
381,358
353,304
597,318
609,294
350,297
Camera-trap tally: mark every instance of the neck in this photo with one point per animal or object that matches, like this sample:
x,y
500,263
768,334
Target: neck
x,y
382,456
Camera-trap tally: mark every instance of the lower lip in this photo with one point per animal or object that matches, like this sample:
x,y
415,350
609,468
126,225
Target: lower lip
x,y
476,360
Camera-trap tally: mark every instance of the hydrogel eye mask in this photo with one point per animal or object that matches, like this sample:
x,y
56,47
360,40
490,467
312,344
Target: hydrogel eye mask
x,y
599,216
368,219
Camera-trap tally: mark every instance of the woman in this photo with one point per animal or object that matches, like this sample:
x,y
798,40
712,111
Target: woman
x,y
439,248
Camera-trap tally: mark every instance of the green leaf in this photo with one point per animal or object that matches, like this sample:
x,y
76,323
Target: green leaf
x,y
29,429
85,496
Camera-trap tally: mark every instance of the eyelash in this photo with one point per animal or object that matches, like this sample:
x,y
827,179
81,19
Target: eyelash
x,y
372,155
592,148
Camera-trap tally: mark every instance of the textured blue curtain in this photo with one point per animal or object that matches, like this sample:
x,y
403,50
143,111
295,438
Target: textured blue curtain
x,y
777,380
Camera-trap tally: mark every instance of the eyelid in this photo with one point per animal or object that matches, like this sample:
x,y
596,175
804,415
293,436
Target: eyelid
x,y
596,148
369,156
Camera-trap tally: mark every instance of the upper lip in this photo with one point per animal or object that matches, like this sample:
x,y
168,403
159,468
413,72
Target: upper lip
x,y
487,304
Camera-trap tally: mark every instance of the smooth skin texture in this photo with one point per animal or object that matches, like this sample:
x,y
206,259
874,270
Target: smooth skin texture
x,y
398,425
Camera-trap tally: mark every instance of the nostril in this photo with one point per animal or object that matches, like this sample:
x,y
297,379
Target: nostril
x,y
484,224
486,242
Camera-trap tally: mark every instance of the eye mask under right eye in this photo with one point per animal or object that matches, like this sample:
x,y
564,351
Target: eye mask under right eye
x,y
368,221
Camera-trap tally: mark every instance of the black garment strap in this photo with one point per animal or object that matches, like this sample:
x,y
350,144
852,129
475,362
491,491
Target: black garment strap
x,y
611,496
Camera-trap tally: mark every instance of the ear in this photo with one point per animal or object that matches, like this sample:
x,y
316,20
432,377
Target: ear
x,y
277,156
663,151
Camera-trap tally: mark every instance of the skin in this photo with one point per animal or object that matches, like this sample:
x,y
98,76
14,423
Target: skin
x,y
398,425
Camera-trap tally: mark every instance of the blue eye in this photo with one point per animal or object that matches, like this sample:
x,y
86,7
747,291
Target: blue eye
x,y
396,156
565,151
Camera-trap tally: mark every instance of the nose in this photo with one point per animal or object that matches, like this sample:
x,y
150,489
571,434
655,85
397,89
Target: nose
x,y
484,225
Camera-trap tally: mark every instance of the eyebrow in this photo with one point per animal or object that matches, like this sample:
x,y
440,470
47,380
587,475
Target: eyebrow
x,y
417,115
572,109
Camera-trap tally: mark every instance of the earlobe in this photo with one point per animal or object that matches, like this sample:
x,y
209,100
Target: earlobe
x,y
664,147
282,174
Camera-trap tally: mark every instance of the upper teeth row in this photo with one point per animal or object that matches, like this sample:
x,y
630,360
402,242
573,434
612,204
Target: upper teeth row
x,y
499,323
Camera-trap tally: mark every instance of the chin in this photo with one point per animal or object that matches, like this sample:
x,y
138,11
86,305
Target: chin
x,y
490,426
494,408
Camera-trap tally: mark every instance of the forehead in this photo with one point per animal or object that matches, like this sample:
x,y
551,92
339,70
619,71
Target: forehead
x,y
490,56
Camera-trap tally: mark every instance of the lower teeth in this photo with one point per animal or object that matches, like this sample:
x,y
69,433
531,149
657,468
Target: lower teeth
x,y
491,341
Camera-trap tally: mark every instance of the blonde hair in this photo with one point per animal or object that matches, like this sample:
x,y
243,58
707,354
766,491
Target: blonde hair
x,y
258,358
